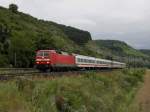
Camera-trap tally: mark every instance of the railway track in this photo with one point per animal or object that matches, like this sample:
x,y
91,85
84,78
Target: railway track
x,y
14,73
10,73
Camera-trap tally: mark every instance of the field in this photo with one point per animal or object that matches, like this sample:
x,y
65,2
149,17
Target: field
x,y
93,92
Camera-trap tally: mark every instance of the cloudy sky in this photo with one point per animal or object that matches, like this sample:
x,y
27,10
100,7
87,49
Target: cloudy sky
x,y
126,20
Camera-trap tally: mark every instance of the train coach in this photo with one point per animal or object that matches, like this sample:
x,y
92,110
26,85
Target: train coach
x,y
53,60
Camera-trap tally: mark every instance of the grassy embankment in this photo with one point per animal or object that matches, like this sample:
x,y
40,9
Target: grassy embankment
x,y
92,92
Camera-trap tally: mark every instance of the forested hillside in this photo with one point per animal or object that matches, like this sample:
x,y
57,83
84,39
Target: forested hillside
x,y
21,35
145,51
118,50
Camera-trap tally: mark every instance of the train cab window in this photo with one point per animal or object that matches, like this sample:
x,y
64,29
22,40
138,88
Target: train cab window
x,y
39,53
46,53
43,53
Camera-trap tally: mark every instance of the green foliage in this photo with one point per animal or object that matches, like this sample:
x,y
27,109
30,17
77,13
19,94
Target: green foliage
x,y
145,51
92,92
4,60
10,98
78,36
118,47
120,51
22,35
4,38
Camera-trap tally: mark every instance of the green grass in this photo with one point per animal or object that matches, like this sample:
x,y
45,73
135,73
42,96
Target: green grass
x,y
92,92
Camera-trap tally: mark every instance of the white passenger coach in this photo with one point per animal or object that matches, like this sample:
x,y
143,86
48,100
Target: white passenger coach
x,y
92,62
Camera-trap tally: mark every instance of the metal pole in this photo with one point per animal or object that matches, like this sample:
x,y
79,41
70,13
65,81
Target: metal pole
x,y
15,60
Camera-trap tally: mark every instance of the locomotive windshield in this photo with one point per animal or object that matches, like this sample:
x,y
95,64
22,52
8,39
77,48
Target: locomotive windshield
x,y
42,53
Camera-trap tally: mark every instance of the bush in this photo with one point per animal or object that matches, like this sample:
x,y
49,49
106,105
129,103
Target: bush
x,y
13,8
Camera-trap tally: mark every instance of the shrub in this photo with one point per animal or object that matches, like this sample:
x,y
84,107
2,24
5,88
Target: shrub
x,y
13,8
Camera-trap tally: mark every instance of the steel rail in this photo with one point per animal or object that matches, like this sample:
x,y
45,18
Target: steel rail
x,y
13,75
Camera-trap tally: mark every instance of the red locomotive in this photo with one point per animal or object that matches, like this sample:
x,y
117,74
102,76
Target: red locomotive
x,y
53,60
50,59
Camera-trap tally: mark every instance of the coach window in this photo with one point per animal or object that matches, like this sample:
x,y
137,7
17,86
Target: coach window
x,y
86,60
90,61
83,60
78,59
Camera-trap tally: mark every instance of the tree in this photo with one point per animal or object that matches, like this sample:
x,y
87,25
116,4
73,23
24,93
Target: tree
x,y
13,8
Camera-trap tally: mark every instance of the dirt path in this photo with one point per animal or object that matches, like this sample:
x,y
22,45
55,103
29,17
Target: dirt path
x,y
142,99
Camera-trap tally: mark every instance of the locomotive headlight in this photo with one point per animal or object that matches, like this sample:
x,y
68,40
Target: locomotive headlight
x,y
46,59
42,59
37,62
38,59
47,62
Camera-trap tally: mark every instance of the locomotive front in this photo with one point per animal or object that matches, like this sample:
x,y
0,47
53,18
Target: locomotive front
x,y
43,60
